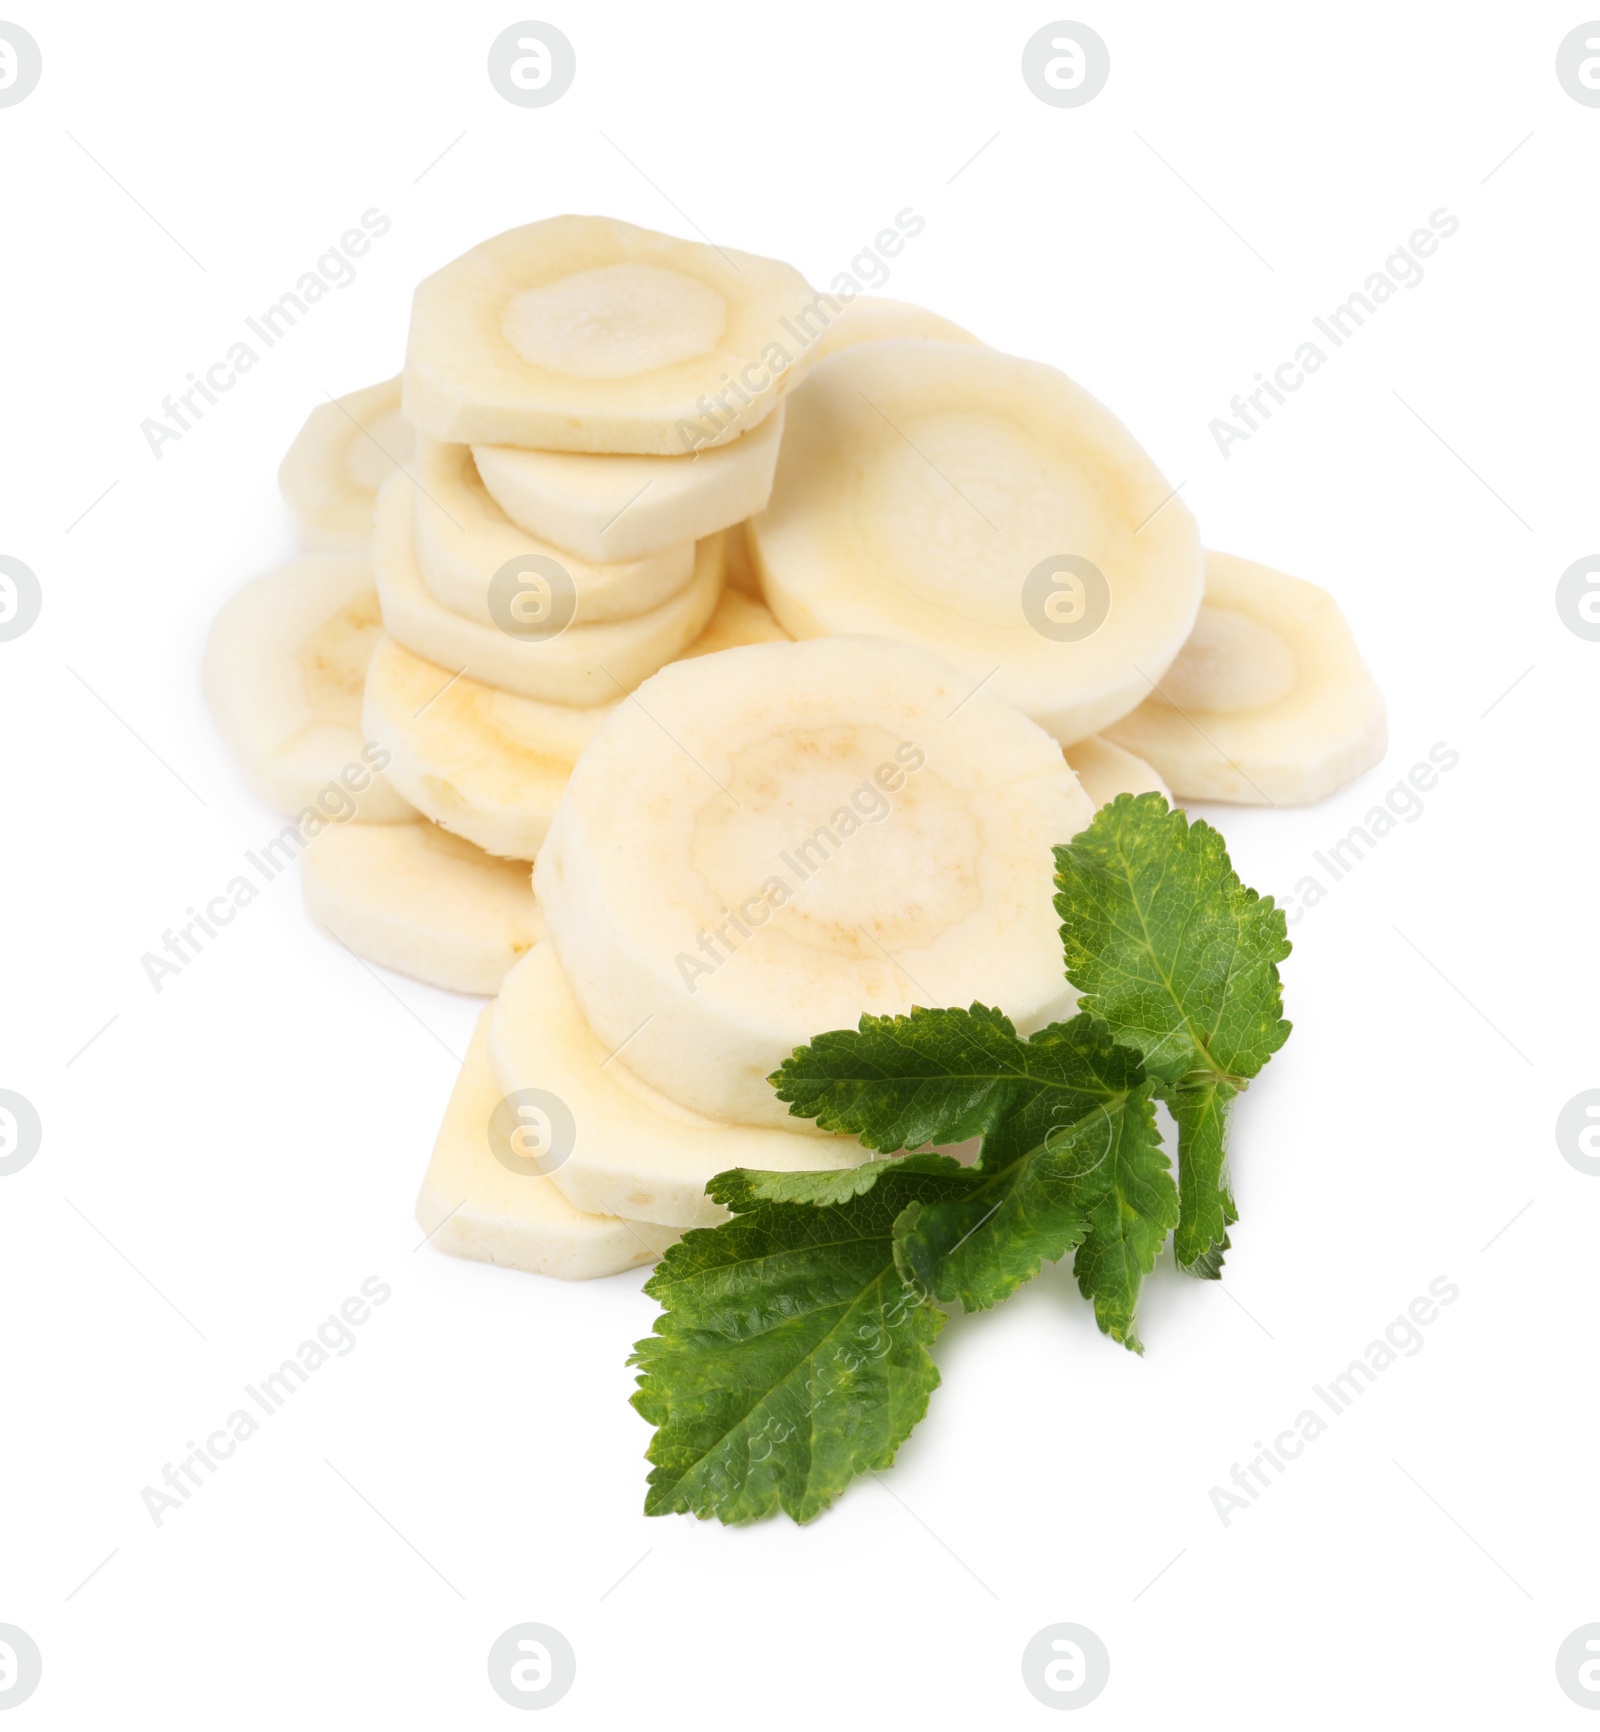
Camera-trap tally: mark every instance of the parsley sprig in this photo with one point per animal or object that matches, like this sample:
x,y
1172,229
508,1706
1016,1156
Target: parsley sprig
x,y
793,1349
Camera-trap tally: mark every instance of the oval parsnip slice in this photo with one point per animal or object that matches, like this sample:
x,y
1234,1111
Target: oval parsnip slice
x,y
772,841
416,899
581,333
284,670
876,319
635,1151
1105,770
331,474
462,541
472,1205
987,510
620,507
579,664
1269,703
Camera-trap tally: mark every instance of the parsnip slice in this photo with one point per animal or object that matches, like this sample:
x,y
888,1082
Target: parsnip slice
x,y
283,672
331,474
1269,702
876,319
472,1205
989,511
635,1151
773,841
585,334
416,899
618,507
580,664
1105,770
462,540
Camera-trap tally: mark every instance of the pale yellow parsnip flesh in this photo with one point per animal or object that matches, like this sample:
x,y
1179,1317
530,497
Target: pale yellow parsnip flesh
x,y
876,319
584,664
414,898
615,321
958,545
618,507
777,839
461,539
470,1205
1270,703
283,672
927,490
490,764
1231,662
346,450
333,660
897,886
375,451
590,335
637,1153
1104,771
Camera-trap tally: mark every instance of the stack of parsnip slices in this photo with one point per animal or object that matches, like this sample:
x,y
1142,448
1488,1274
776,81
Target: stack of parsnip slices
x,y
700,663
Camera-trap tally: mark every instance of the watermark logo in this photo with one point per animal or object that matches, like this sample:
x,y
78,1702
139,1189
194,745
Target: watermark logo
x,y
20,65
1578,1132
1578,1658
532,1666
533,598
1066,598
21,1133
1578,69
532,1132
1066,1666
532,64
1578,597
20,1666
20,598
1066,64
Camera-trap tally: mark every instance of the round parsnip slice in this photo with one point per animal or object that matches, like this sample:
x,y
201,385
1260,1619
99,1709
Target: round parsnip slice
x,y
585,334
771,842
876,319
1103,770
1269,702
579,664
283,673
416,899
473,1204
491,765
621,1147
487,764
345,452
463,540
985,509
617,507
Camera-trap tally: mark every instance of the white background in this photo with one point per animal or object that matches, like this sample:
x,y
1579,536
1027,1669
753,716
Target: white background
x,y
250,1141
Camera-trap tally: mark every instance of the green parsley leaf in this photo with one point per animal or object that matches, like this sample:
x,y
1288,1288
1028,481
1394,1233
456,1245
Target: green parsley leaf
x,y
1200,1106
1166,944
791,1354
1069,1153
